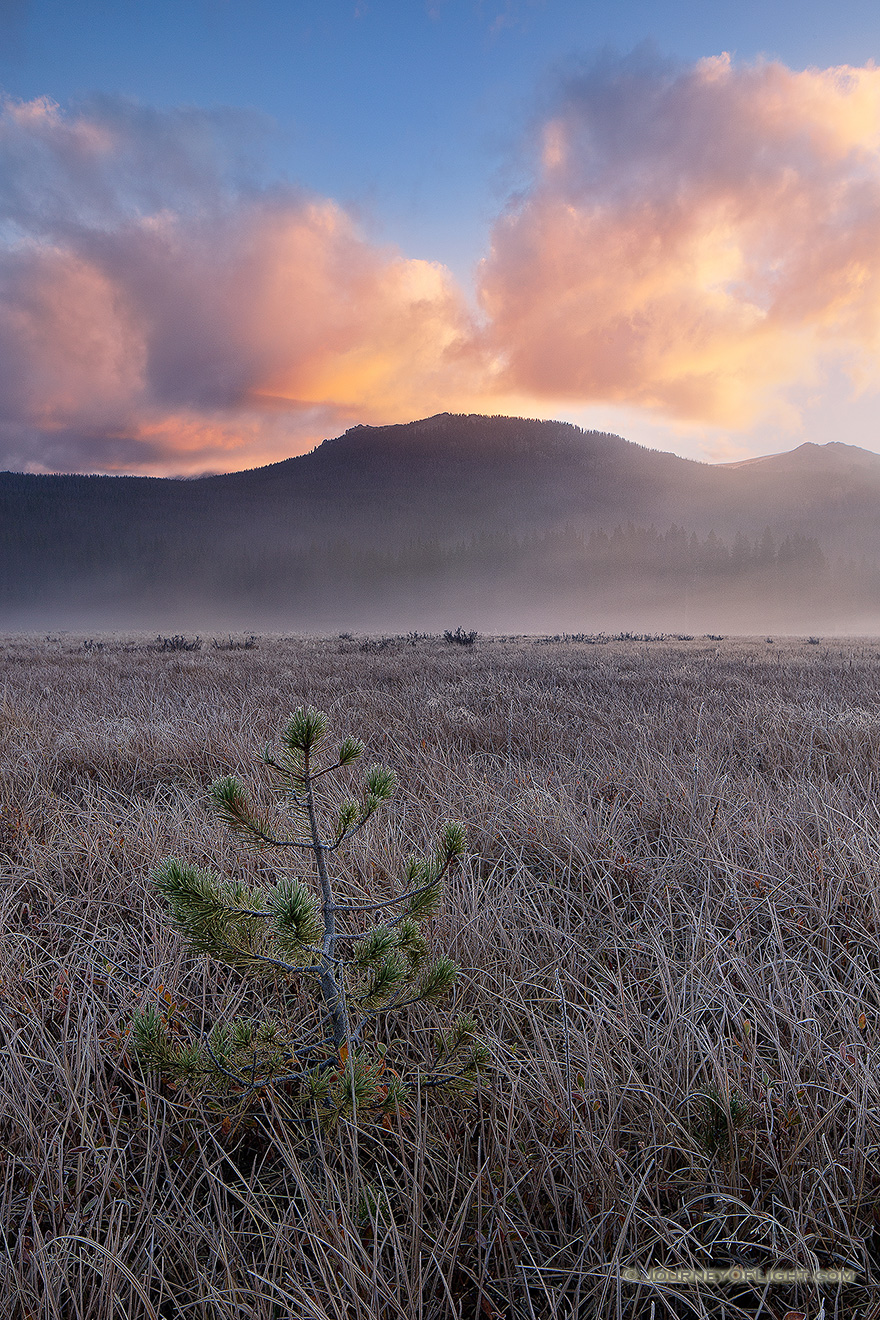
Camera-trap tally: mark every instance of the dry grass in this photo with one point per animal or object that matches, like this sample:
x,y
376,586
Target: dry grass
x,y
668,933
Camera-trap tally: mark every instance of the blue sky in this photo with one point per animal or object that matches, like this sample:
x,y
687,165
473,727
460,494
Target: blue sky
x,y
420,121
410,111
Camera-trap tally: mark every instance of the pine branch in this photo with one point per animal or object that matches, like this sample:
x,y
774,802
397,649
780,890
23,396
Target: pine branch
x,y
388,902
376,944
350,750
295,914
385,976
430,1081
248,1087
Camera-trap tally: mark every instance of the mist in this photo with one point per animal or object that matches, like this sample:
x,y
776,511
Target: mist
x,y
499,524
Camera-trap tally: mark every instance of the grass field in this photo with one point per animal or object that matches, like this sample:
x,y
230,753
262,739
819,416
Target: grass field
x,y
667,929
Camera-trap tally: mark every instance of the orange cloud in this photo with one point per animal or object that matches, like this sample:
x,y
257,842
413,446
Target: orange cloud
x,y
374,331
695,240
174,320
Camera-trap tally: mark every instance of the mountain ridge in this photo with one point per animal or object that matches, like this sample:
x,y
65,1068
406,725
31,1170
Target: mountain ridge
x,y
397,504
434,425
811,454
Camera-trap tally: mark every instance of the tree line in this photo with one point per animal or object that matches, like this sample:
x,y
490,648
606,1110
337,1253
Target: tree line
x,y
157,568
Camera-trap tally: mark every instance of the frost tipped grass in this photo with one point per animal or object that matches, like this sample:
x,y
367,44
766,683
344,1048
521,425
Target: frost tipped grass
x,y
688,838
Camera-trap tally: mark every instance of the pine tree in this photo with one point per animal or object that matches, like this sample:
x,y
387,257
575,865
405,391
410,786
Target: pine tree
x,y
290,933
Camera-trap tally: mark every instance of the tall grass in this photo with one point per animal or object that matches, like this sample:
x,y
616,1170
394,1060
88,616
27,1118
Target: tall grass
x,y
668,933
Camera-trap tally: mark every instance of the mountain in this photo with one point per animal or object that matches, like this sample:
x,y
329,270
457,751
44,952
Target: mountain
x,y
834,457
833,489
448,512
448,476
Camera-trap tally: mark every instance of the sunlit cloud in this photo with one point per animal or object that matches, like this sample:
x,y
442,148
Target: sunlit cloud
x,y
695,240
160,312
696,251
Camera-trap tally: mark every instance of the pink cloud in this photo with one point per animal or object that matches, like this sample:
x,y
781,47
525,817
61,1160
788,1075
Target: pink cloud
x,y
158,313
695,240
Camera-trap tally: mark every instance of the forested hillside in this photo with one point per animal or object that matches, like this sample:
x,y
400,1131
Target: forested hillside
x,y
519,520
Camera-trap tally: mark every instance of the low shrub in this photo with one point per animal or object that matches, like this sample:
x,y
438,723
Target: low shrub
x,y
460,637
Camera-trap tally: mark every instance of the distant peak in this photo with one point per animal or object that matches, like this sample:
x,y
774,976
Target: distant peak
x,y
809,455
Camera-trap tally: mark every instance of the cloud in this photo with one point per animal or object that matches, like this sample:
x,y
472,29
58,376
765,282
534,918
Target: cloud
x,y
161,310
694,240
698,243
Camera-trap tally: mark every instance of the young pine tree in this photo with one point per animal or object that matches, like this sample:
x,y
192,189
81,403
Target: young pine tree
x,y
293,933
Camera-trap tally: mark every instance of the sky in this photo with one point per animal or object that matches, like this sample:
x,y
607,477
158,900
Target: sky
x,y
230,229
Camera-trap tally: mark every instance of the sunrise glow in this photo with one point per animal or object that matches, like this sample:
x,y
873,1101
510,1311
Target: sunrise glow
x,y
693,242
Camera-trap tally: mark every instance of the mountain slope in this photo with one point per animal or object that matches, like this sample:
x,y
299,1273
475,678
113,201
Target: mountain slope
x,y
485,504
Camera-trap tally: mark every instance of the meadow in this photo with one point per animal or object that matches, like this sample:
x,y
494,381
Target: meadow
x,y
667,927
